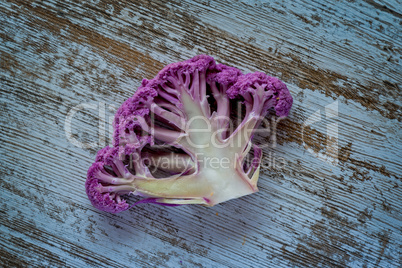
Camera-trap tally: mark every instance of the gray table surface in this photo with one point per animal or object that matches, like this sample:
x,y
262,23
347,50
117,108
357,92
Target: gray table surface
x,y
334,200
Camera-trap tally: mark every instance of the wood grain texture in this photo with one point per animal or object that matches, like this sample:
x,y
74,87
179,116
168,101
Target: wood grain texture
x,y
55,55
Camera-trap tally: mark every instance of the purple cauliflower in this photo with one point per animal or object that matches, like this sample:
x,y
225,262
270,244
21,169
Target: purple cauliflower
x,y
175,141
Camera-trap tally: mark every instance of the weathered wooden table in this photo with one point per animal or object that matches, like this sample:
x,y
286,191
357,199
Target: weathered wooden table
x,y
330,191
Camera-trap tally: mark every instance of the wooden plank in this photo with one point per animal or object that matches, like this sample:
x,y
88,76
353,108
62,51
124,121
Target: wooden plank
x,y
56,55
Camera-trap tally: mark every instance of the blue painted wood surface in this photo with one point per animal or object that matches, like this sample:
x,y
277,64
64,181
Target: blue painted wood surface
x,y
334,200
